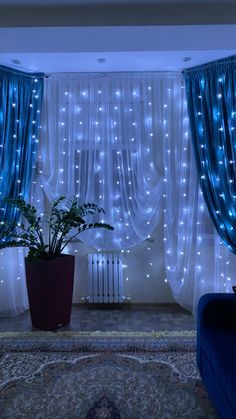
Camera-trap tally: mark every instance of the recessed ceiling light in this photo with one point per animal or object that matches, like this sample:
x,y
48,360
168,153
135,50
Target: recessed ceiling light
x,y
101,60
186,59
15,61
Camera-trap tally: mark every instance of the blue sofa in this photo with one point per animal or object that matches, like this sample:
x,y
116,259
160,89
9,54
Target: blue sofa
x,y
216,350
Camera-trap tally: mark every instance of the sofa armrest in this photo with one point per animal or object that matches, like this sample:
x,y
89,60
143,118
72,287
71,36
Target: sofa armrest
x,y
217,311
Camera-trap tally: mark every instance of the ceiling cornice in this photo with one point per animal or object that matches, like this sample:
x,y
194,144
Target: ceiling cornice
x,y
119,15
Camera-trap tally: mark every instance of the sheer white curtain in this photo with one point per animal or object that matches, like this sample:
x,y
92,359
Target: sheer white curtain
x,y
196,260
102,143
13,293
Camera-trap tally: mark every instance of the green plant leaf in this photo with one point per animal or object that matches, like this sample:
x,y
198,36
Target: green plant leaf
x,y
59,223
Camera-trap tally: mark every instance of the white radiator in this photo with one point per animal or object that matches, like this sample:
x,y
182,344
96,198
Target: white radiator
x,y
105,278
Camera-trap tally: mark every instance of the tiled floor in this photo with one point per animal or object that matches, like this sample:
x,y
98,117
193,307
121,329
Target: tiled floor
x,y
146,318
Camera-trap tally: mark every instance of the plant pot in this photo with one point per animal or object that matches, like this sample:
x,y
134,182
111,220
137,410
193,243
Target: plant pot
x,y
50,288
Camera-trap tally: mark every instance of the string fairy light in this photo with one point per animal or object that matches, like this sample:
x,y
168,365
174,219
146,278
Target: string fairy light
x,y
121,142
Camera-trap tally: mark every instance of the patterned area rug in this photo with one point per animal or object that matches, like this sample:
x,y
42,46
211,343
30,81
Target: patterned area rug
x,y
101,375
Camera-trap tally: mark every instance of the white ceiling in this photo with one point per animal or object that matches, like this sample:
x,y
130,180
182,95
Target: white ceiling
x,y
44,35
73,49
115,61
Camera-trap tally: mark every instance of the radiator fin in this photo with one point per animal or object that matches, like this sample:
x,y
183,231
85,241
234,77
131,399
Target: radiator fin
x,y
105,278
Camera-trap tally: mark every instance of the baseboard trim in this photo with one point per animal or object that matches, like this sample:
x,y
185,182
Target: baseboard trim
x,y
129,305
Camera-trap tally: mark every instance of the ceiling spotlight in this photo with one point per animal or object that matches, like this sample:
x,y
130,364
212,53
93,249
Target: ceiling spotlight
x,y
15,61
101,60
186,59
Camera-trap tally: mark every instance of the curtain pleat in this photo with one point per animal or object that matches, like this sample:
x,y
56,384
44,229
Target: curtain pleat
x,y
102,142
20,105
211,96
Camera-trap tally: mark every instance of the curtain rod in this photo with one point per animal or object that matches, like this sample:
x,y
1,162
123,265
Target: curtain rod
x,y
108,73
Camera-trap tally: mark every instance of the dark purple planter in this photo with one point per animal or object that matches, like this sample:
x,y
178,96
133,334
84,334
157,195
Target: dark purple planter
x,y
50,289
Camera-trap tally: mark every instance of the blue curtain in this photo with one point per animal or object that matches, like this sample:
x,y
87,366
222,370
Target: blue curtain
x,y
20,104
211,99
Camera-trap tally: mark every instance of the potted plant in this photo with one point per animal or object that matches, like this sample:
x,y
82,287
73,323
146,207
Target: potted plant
x,y
49,272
